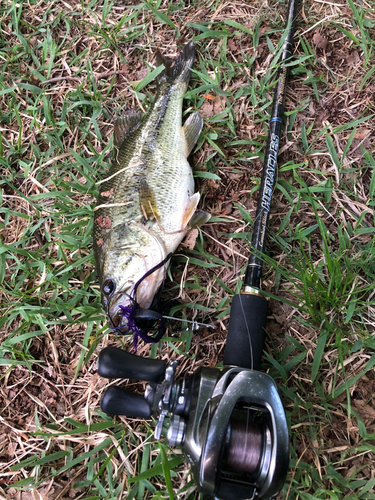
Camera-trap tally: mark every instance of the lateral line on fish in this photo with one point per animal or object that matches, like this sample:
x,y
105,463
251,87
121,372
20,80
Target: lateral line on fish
x,y
110,205
119,172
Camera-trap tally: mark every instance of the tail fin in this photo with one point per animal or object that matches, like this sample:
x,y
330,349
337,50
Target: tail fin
x,y
176,70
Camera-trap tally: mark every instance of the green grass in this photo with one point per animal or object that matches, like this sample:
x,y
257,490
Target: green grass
x,y
67,70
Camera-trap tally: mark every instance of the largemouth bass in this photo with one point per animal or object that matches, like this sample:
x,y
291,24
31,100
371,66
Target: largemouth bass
x,y
147,203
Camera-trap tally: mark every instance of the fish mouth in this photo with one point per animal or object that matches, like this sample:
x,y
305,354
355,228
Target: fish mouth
x,y
121,313
128,311
127,317
121,307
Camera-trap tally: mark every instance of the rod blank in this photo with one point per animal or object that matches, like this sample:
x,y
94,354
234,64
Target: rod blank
x,y
258,241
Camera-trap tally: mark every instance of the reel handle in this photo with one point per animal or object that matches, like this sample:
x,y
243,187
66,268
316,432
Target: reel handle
x,y
245,339
116,363
117,401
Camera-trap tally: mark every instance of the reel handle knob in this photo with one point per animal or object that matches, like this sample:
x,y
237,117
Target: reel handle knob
x,y
117,401
116,363
245,339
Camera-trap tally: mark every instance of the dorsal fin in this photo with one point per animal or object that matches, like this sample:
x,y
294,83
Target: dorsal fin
x,y
126,124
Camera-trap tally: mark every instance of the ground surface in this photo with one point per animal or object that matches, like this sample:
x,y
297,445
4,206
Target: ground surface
x,y
68,69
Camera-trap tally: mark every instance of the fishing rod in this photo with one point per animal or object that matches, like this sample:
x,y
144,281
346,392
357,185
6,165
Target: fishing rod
x,y
229,423
249,308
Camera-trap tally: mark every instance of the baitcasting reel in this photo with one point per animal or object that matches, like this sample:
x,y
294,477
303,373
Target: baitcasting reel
x,y
230,424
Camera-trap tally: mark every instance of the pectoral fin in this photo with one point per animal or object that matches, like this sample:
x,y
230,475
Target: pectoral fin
x,y
190,210
192,129
125,125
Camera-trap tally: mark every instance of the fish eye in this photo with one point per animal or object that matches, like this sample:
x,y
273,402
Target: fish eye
x,y
109,286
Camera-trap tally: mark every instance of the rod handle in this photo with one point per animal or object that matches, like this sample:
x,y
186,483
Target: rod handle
x,y
246,329
117,401
116,363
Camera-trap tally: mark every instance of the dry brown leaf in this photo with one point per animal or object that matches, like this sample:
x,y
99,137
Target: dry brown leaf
x,y
232,45
191,238
320,41
211,108
362,133
367,412
353,58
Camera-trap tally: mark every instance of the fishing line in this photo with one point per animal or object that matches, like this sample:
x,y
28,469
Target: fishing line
x,y
158,266
195,324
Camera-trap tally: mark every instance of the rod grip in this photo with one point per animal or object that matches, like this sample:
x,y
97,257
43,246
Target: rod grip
x,y
245,339
116,363
117,401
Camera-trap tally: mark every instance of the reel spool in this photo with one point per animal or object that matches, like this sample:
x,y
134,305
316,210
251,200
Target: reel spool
x,y
230,424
